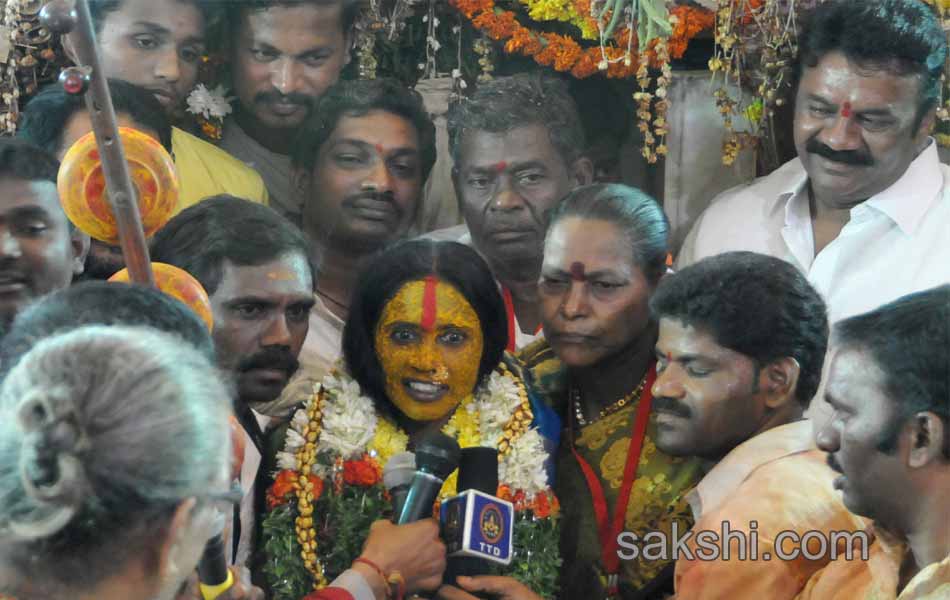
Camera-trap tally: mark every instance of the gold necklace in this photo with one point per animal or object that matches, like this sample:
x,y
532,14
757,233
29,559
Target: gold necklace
x,y
607,410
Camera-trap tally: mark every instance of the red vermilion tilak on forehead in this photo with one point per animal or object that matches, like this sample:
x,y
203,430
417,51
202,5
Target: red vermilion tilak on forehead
x,y
379,148
846,110
577,272
428,303
500,166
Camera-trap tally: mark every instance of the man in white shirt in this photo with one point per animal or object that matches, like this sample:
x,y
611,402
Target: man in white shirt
x,y
864,209
517,146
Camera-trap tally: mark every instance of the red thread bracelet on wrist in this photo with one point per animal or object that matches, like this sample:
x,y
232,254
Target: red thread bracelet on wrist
x,y
382,575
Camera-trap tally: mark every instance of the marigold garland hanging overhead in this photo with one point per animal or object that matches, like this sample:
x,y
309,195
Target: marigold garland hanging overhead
x,y
617,51
631,36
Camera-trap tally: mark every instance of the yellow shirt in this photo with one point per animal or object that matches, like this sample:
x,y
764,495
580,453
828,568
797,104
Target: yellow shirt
x,y
877,578
206,170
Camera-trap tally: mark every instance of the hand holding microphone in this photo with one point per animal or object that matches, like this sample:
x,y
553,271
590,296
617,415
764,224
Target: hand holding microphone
x,y
413,553
410,555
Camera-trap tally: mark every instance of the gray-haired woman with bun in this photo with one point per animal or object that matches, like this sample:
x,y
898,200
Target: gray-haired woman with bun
x,y
114,450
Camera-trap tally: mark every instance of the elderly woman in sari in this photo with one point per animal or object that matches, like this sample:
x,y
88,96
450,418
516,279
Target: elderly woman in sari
x,y
605,251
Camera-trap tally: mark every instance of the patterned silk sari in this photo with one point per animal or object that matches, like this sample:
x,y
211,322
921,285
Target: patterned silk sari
x,y
657,500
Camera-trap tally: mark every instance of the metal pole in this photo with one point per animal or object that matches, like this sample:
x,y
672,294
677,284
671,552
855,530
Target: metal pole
x,y
121,192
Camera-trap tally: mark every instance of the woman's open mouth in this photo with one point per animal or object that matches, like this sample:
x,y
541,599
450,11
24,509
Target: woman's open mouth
x,y
424,391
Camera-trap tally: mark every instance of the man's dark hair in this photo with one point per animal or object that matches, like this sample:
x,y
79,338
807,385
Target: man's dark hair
x,y
504,103
759,306
909,340
903,37
101,303
236,8
19,159
638,216
100,9
382,279
223,228
355,99
44,119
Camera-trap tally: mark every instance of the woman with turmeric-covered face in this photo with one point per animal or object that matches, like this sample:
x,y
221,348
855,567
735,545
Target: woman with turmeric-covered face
x,y
426,326
423,352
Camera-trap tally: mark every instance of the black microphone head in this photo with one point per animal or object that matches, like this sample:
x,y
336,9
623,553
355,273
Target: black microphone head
x,y
437,454
478,470
399,470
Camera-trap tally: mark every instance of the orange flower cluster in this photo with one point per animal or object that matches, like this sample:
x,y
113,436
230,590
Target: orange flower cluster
x,y
544,504
285,485
563,53
688,23
210,130
364,472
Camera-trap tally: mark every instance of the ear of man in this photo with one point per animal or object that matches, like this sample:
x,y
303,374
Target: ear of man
x,y
928,440
778,381
582,171
80,243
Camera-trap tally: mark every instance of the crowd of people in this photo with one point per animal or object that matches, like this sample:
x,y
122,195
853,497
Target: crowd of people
x,y
763,413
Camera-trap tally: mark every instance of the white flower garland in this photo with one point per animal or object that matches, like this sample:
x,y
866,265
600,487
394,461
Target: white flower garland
x,y
350,420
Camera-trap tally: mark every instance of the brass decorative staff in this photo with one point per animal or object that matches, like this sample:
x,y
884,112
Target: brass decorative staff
x,y
72,17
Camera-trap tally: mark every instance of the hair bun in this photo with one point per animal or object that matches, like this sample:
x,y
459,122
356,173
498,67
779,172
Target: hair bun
x,y
51,468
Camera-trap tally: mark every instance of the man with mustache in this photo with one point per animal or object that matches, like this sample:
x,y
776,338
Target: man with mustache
x,y
40,250
517,145
741,344
255,266
284,55
863,209
889,385
359,165
159,45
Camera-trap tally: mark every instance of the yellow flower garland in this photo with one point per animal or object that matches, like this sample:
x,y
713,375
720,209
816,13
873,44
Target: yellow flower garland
x,y
306,456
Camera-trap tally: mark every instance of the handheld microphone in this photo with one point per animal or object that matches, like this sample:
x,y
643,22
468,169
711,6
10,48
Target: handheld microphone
x,y
214,576
475,523
436,457
397,476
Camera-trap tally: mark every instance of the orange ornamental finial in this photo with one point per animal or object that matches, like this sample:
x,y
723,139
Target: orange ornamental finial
x,y
178,284
82,185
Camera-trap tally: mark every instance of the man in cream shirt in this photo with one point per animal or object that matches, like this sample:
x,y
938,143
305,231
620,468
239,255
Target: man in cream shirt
x,y
864,209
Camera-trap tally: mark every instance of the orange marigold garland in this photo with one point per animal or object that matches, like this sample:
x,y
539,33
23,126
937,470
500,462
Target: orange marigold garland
x,y
564,53
687,22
